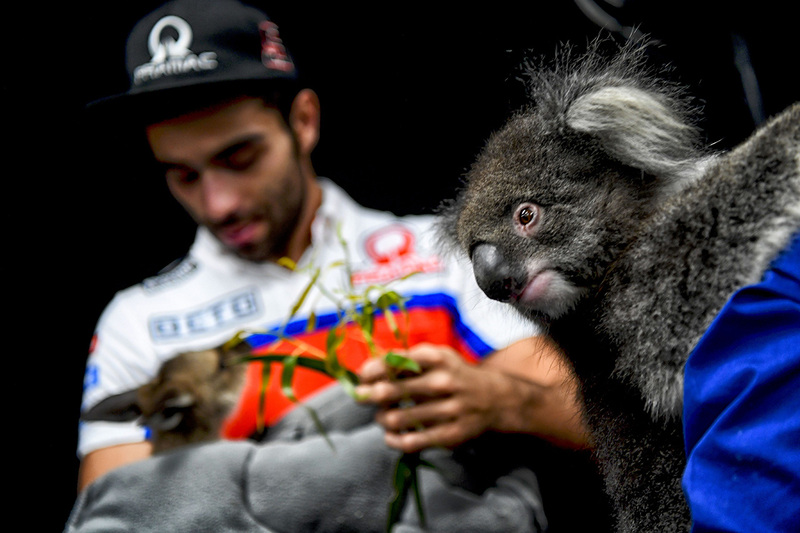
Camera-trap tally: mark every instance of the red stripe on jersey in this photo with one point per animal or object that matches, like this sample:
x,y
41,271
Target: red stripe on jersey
x,y
430,325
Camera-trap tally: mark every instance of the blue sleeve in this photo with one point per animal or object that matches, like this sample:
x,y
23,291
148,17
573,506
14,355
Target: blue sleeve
x,y
742,409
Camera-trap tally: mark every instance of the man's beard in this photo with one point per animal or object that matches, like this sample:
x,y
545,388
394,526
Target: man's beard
x,y
282,228
276,244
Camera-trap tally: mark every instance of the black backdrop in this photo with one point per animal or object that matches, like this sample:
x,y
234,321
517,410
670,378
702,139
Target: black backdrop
x,y
409,94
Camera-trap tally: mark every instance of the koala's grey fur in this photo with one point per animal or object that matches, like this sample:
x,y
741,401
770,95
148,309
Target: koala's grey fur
x,y
185,403
639,238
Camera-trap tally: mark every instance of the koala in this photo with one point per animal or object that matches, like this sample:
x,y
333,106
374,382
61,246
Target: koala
x,y
186,402
597,213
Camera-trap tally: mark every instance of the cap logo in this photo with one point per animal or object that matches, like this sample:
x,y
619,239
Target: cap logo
x,y
172,56
273,53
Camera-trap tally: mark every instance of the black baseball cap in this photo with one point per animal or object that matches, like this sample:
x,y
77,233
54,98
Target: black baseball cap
x,y
190,49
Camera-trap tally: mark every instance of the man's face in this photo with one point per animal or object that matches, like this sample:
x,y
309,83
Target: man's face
x,y
235,169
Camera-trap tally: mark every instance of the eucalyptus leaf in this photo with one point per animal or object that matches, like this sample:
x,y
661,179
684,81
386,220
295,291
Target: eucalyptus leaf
x,y
333,341
287,376
401,362
311,323
312,363
388,299
346,251
392,323
266,376
318,424
235,341
287,263
406,480
303,295
401,484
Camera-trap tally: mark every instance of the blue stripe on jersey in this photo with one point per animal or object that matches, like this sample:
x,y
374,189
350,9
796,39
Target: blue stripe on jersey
x,y
424,301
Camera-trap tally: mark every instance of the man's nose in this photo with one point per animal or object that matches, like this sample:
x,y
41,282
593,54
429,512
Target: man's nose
x,y
221,195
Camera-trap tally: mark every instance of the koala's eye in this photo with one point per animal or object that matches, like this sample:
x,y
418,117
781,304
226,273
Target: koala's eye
x,y
527,214
526,218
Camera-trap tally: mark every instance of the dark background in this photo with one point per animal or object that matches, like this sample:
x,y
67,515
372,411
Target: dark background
x,y
409,94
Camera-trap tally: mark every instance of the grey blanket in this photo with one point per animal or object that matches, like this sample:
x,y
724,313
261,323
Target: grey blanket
x,y
293,482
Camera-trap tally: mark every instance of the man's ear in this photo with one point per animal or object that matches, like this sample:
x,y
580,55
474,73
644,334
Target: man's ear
x,y
304,120
122,407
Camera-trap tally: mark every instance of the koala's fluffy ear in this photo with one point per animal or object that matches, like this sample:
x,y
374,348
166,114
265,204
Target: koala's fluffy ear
x,y
123,407
639,128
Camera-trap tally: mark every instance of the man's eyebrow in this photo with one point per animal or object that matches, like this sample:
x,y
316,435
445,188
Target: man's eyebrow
x,y
237,145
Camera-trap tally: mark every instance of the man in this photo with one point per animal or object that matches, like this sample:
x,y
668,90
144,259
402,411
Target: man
x,y
216,93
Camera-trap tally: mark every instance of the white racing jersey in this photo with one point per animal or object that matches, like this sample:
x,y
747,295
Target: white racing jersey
x,y
212,294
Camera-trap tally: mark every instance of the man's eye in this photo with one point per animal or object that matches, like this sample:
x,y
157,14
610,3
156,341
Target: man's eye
x,y
242,159
180,175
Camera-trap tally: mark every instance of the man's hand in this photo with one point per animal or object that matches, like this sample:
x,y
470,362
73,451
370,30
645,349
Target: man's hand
x,y
452,401
448,403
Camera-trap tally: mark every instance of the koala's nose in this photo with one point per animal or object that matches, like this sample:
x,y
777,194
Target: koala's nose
x,y
494,274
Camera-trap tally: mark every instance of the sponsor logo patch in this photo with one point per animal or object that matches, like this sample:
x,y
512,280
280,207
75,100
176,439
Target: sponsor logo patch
x,y
393,254
210,318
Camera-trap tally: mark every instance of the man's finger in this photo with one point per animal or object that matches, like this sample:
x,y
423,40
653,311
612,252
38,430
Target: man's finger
x,y
446,435
419,416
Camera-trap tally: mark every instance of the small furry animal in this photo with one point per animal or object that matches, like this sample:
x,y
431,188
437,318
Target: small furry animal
x,y
186,402
595,212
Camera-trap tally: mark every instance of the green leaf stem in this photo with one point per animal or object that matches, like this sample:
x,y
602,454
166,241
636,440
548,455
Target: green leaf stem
x,y
361,310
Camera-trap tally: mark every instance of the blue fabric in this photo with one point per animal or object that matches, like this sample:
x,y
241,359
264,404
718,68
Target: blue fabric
x,y
742,409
